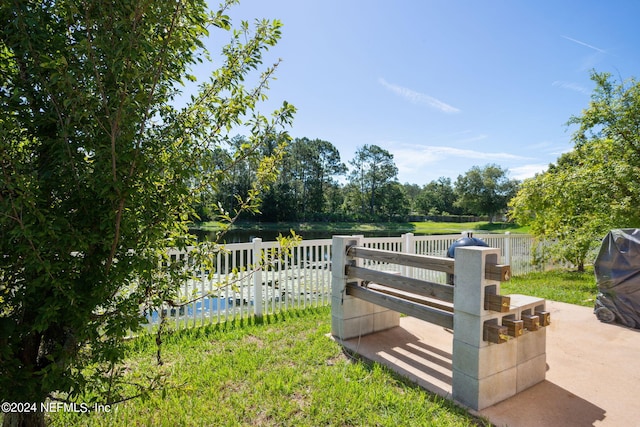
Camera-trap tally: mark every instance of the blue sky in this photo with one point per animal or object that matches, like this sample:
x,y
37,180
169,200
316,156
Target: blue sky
x,y
441,84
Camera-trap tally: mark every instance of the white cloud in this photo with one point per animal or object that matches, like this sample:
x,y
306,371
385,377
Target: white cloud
x,y
420,164
597,49
417,97
527,171
571,86
590,61
464,137
414,160
433,153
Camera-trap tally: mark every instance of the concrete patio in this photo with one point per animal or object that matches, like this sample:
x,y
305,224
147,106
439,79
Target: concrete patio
x,y
592,379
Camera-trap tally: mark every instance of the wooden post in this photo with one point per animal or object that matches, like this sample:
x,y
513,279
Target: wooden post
x,y
499,303
515,328
531,322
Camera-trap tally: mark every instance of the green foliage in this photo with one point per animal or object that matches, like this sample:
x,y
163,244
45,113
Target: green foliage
x,y
316,163
568,206
437,197
394,202
305,187
101,173
373,171
593,188
485,190
306,183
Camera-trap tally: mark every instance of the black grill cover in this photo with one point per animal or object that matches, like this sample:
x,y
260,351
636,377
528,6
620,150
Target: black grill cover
x,y
464,241
617,270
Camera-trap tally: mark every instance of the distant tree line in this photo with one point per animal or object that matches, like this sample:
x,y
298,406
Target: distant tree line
x,y
314,184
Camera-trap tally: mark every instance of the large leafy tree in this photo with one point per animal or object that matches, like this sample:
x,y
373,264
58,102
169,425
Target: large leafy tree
x,y
437,198
237,168
100,174
316,163
372,169
306,187
394,201
485,190
564,206
593,188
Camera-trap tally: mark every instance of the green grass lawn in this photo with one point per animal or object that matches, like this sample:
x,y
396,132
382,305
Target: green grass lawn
x,y
429,227
426,227
286,371
562,285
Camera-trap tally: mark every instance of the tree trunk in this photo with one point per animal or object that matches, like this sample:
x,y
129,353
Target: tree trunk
x,y
32,357
24,419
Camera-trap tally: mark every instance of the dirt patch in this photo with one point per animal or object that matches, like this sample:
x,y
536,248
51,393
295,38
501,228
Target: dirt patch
x,y
252,339
340,357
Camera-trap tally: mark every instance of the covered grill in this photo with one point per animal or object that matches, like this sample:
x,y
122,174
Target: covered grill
x,y
617,271
469,240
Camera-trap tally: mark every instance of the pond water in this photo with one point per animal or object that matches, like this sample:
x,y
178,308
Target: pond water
x,y
207,306
243,236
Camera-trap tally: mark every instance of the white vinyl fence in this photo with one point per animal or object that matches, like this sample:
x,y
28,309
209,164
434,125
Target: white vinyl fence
x,y
302,278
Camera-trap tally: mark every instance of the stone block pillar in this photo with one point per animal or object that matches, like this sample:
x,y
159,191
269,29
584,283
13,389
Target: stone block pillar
x,y
352,317
484,372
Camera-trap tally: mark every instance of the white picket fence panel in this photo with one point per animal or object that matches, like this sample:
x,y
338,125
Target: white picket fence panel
x,y
303,278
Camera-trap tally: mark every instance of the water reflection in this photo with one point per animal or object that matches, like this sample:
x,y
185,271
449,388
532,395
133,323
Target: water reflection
x,y
243,236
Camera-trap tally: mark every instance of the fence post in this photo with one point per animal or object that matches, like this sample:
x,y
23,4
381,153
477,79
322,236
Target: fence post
x,y
409,243
507,248
409,247
257,276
